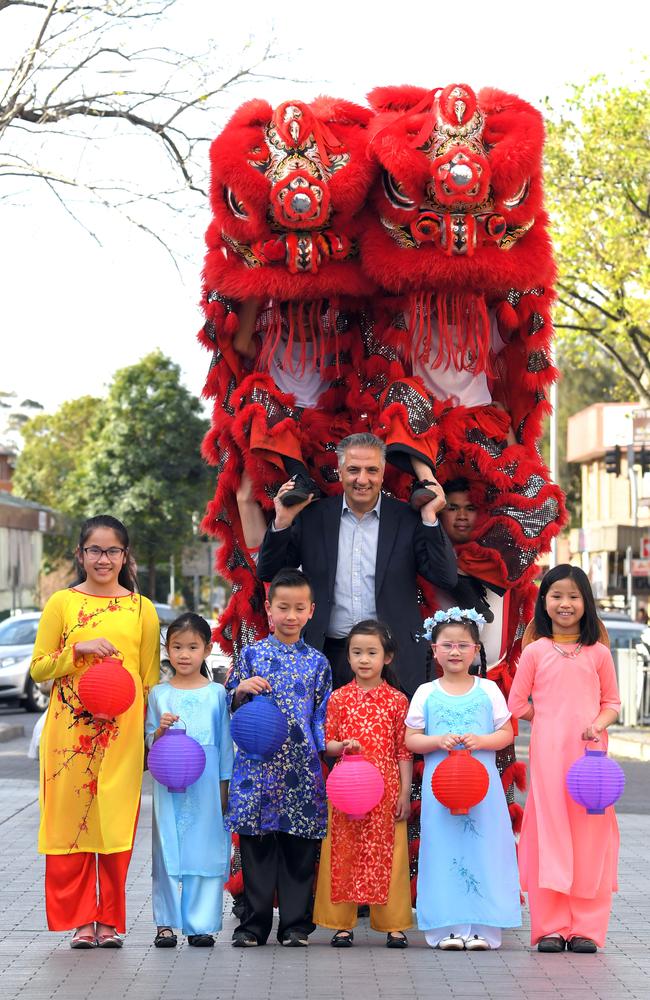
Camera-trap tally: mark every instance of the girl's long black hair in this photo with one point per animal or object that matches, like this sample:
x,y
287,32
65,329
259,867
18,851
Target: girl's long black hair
x,y
589,623
127,577
191,622
472,628
371,627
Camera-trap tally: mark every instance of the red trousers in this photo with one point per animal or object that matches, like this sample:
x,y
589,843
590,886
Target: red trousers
x,y
71,890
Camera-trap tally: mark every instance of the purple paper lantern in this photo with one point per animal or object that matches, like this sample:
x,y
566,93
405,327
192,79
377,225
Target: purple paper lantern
x,y
259,728
178,762
595,781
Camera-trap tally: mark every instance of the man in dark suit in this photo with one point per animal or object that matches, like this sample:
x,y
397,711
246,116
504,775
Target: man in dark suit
x,y
362,552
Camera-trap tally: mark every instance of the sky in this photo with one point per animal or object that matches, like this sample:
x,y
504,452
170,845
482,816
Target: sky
x,y
74,310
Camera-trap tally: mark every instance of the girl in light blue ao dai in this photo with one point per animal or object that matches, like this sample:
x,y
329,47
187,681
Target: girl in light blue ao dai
x,y
191,848
468,883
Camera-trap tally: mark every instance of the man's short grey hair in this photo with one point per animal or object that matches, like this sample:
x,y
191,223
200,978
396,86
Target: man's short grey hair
x,y
364,440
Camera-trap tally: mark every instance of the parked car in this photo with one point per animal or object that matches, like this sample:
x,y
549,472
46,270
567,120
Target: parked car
x,y
624,633
17,637
218,662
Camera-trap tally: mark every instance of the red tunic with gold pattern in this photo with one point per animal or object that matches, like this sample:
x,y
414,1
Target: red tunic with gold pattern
x,y
362,850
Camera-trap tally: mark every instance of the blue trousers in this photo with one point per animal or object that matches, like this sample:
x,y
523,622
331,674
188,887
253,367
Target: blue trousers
x,y
194,904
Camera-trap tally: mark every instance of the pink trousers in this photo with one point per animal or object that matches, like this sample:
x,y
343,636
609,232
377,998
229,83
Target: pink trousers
x,y
558,913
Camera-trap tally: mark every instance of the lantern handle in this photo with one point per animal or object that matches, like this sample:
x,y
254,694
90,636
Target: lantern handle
x,y
181,720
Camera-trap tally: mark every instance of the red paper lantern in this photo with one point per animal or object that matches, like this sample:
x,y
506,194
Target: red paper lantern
x,y
355,786
107,689
460,782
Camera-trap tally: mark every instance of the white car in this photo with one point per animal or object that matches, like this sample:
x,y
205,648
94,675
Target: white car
x,y
17,637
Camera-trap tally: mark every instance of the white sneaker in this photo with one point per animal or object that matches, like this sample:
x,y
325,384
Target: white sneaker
x,y
476,943
452,943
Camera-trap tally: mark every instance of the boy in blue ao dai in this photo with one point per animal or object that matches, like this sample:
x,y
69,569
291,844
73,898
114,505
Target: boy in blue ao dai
x,y
468,882
191,847
278,806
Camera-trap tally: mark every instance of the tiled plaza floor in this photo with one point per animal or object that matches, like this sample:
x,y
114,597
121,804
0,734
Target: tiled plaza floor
x,y
38,965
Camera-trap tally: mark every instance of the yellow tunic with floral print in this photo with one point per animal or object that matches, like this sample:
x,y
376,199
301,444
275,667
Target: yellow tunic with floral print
x,y
91,771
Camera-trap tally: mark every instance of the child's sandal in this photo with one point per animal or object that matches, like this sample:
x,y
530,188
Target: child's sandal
x,y
165,938
396,939
343,939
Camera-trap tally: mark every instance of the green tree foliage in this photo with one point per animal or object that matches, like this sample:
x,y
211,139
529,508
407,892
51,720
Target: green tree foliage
x,y
135,454
51,462
144,464
584,380
598,195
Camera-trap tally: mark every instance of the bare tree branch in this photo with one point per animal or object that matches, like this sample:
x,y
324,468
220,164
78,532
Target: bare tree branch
x,y
91,73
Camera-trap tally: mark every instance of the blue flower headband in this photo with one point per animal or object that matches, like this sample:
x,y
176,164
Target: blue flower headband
x,y
451,616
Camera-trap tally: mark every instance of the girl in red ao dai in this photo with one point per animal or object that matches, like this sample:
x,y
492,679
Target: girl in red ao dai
x,y
366,861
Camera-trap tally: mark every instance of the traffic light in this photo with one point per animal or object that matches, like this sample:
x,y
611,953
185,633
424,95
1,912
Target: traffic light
x,y
613,461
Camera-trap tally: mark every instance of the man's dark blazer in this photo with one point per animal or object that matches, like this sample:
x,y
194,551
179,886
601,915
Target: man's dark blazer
x,y
405,548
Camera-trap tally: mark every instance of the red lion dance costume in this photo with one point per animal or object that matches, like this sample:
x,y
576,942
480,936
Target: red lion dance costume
x,y
287,189
437,336
456,237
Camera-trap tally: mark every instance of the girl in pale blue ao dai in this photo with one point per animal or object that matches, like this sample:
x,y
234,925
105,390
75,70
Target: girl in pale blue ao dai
x,y
468,883
191,848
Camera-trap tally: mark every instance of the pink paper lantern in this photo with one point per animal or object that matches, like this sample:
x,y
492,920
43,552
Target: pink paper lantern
x,y
355,786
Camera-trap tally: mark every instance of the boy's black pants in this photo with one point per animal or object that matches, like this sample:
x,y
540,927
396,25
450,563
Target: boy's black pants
x,y
277,861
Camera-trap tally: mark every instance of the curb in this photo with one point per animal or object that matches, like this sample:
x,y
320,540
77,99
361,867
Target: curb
x,y
630,747
8,732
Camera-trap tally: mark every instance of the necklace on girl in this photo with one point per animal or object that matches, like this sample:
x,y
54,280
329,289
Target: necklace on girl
x,y
567,653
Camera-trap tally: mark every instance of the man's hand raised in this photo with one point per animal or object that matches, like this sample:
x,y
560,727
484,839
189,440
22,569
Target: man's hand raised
x,y
429,511
285,516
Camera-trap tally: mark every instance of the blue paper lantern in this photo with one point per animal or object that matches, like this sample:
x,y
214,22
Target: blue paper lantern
x,y
595,781
178,762
259,728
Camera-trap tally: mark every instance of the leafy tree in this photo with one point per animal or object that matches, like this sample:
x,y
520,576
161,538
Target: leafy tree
x,y
584,380
144,464
598,193
50,462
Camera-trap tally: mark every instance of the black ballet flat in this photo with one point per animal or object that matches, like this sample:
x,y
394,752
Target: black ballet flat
x,y
583,945
553,943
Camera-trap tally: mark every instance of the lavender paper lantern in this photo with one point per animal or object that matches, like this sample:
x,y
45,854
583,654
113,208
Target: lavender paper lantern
x,y
176,760
259,728
595,781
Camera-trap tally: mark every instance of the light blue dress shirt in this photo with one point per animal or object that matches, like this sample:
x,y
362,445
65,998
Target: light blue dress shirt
x,y
354,586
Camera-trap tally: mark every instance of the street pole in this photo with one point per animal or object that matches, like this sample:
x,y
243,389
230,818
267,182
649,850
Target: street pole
x,y
634,511
553,458
172,581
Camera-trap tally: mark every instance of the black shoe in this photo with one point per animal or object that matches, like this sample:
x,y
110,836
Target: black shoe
x,y
554,942
396,939
422,491
470,593
295,939
303,488
343,939
165,938
244,939
581,944
200,940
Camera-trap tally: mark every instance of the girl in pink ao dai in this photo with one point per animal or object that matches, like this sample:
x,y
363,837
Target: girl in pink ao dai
x,y
567,858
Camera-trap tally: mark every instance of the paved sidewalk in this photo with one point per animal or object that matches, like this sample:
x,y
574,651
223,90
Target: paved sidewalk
x,y
36,964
